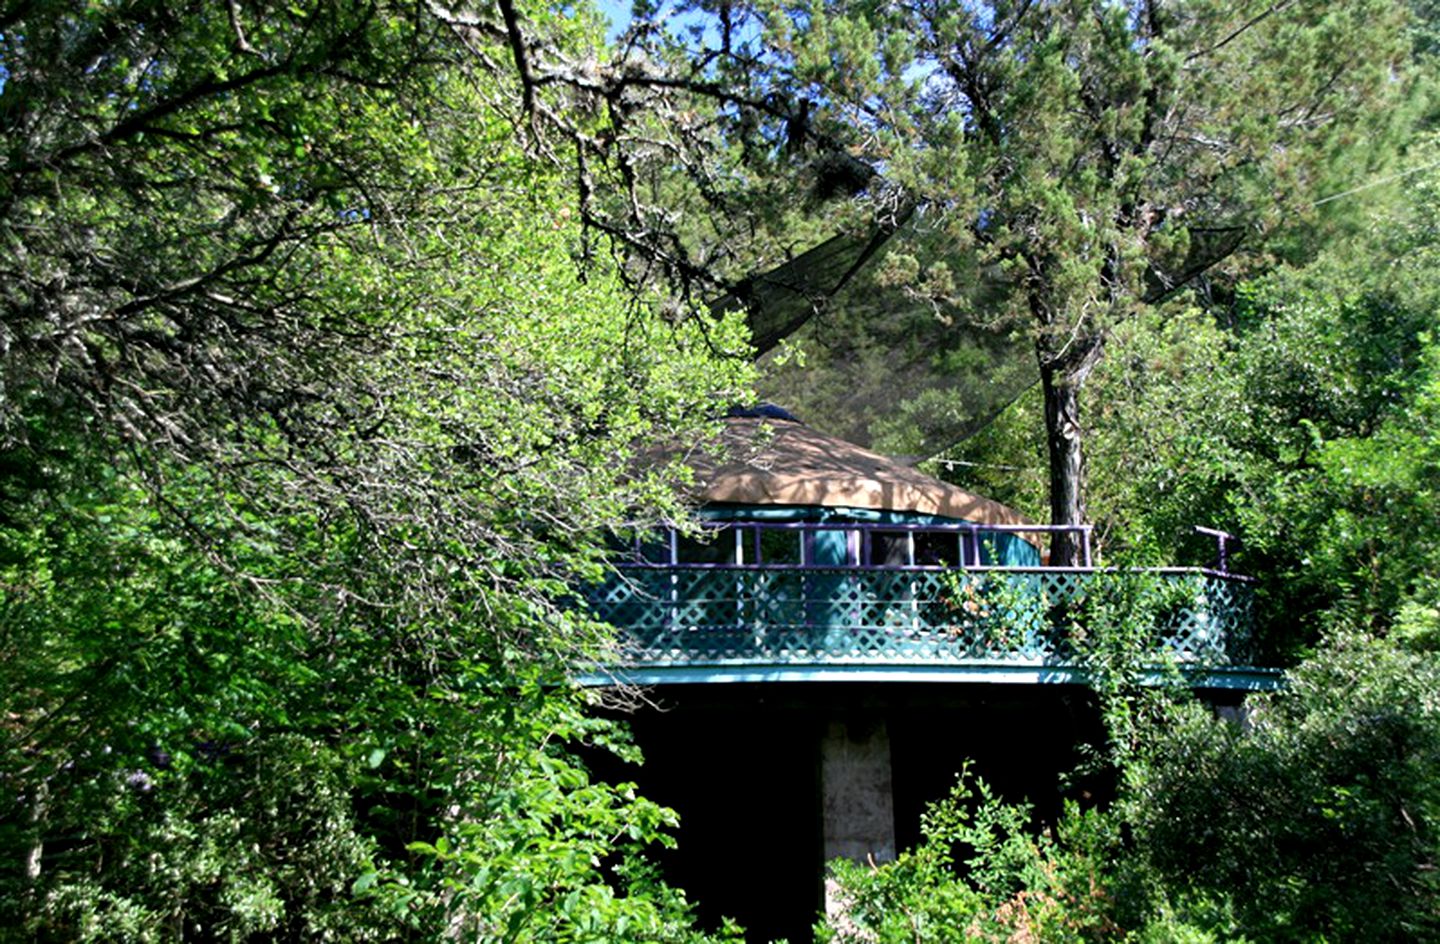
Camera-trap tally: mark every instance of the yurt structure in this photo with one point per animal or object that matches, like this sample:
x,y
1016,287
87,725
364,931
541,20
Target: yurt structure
x,y
836,641
776,469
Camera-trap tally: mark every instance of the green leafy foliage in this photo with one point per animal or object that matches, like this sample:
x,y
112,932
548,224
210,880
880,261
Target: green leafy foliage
x,y
979,874
1315,817
540,852
310,423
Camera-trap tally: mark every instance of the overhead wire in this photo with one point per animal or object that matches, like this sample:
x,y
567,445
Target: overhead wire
x,y
1379,182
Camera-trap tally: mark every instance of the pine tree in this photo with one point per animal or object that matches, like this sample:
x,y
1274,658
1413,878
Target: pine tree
x,y
1073,161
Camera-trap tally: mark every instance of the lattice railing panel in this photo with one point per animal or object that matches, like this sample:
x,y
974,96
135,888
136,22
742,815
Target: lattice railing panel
x,y
691,615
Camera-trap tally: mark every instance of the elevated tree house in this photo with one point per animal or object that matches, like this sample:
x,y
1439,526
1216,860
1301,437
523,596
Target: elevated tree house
x,y
823,561
841,636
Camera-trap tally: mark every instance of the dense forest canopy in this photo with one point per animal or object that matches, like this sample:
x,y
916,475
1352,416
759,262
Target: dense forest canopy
x,y
327,332
1072,163
309,419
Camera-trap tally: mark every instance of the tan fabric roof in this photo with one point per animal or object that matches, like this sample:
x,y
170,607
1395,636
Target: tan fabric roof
x,y
792,464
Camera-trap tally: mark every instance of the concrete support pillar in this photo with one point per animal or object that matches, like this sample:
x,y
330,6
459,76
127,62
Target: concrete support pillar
x,y
857,798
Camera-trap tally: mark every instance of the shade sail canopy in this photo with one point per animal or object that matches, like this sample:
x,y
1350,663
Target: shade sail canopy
x,y
770,461
859,348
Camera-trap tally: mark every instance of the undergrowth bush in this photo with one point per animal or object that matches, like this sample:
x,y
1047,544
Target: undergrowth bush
x,y
1314,818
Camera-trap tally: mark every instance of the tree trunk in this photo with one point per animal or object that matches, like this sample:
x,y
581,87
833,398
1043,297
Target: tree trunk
x,y
1062,377
35,853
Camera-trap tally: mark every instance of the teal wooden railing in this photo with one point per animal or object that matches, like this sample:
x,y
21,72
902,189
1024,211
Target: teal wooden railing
x,y
677,616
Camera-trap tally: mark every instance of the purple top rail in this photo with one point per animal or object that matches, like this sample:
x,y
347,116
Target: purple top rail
x,y
860,539
860,547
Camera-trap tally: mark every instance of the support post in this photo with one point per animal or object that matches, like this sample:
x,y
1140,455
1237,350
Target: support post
x,y
857,798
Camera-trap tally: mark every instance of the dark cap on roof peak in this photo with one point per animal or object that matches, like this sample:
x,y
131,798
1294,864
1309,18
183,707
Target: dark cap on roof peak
x,y
768,411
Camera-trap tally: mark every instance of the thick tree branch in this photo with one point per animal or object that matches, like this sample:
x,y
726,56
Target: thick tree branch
x,y
521,55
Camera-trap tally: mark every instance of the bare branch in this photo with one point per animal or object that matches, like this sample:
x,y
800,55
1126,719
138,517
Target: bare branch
x,y
1239,31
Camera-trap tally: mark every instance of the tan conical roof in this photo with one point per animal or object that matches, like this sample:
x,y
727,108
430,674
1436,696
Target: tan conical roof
x,y
769,461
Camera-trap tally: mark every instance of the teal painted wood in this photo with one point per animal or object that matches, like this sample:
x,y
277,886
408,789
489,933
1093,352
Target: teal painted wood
x,y
1243,678
675,618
